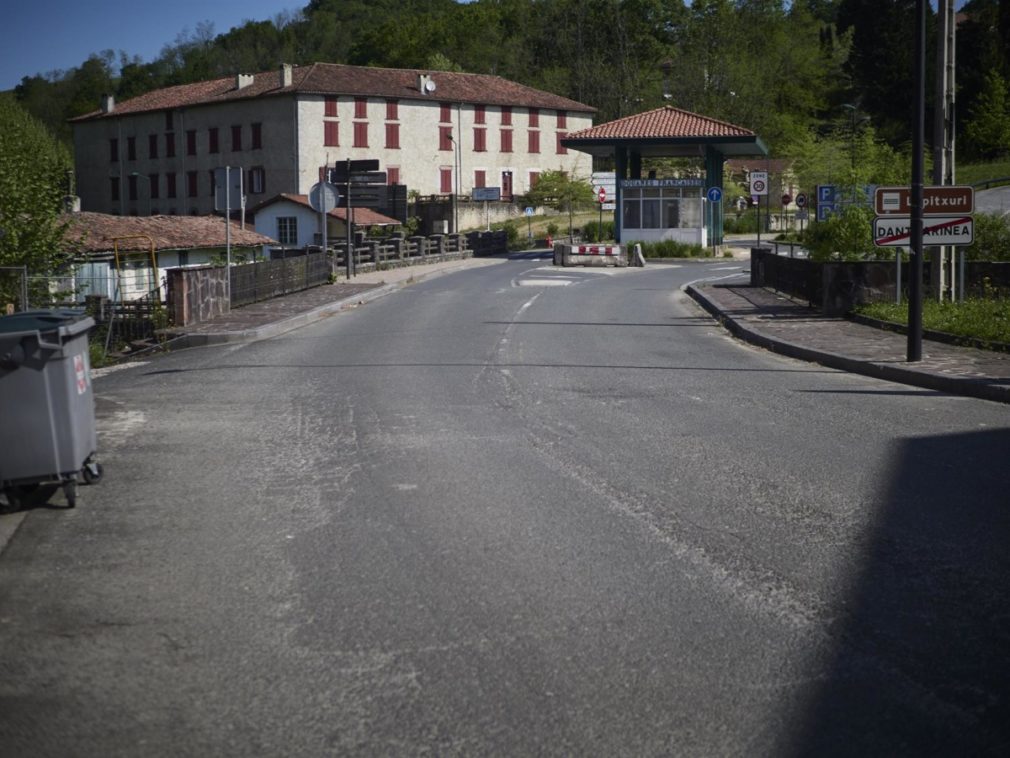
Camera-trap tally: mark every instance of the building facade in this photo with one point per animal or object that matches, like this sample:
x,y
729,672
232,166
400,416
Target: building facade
x,y
439,133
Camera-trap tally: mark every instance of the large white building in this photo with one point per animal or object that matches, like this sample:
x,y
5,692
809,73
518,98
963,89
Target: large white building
x,y
439,133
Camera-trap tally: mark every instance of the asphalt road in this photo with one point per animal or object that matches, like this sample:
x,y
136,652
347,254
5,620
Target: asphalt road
x,y
517,510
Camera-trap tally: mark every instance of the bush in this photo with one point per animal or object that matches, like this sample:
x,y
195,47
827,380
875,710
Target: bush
x,y
593,232
741,223
846,236
992,238
670,249
512,234
552,229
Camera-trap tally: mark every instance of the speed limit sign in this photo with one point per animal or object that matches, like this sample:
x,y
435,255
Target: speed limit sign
x,y
759,182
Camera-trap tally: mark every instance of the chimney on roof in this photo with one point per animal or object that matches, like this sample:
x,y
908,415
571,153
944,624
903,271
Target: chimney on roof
x,y
243,80
286,74
425,84
108,103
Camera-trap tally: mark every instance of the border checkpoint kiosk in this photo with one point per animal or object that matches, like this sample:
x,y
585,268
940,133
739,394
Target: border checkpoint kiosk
x,y
650,209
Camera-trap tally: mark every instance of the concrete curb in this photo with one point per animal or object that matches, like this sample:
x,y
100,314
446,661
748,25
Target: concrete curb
x,y
915,377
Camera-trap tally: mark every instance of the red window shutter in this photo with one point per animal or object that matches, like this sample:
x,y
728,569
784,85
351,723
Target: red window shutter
x,y
361,134
446,183
445,113
479,114
479,140
444,138
153,188
360,107
331,133
392,110
170,145
170,185
257,136
152,145
392,174
479,178
534,141
534,117
534,178
393,136
191,142
506,140
330,106
191,183
562,120
506,115
113,150
236,137
213,139
562,150
131,148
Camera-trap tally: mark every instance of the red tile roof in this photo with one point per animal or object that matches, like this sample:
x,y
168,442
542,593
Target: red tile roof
x,y
98,232
339,79
362,216
662,123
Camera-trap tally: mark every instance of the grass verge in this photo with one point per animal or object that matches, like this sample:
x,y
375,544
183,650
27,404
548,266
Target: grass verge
x,y
984,320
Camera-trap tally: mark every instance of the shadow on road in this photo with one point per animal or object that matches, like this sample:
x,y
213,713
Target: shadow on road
x,y
922,665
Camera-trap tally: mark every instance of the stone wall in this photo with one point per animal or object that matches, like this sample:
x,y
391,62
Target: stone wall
x,y
197,294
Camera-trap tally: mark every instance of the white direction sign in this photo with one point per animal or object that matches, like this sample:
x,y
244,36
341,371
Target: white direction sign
x,y
759,182
894,231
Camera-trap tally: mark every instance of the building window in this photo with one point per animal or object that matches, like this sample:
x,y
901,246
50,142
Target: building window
x,y
330,106
257,136
113,150
562,120
480,178
479,140
506,140
534,117
392,175
154,189
393,136
170,188
534,178
169,126
361,107
561,149
191,142
213,143
479,114
114,188
534,141
331,133
257,180
152,145
287,230
392,110
131,186
360,134
131,148
236,138
445,113
213,183
170,145
445,138
445,180
506,115
192,184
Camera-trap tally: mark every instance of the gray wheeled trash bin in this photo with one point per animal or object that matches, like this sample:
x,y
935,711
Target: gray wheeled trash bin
x,y
47,407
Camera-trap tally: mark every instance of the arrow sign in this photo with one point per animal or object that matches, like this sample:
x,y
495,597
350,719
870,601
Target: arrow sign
x,y
893,231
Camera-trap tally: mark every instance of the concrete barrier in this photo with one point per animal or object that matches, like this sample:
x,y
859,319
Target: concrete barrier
x,y
566,254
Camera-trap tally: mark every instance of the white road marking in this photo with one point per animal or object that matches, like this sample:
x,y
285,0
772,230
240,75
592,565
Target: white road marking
x,y
544,282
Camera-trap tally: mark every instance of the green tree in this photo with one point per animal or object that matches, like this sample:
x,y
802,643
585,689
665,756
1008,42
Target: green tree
x,y
846,236
992,238
557,190
33,175
988,129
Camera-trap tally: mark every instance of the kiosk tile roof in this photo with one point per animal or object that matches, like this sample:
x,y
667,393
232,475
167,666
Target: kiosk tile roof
x,y
662,123
361,216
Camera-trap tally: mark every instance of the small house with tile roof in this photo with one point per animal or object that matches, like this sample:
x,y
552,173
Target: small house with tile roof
x,y
675,208
125,258
291,220
439,133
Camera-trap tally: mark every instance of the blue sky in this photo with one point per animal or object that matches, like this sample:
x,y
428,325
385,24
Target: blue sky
x,y
37,36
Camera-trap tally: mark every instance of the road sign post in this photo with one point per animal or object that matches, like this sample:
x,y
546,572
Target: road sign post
x,y
759,187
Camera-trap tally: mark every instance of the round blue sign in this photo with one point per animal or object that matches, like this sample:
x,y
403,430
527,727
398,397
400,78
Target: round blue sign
x,y
714,194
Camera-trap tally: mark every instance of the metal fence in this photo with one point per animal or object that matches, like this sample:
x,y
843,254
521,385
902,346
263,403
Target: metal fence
x,y
263,280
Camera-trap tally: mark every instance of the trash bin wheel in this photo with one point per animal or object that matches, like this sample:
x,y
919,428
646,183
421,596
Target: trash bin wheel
x,y
92,472
70,492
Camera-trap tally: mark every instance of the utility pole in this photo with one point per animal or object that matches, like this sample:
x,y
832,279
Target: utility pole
x,y
943,132
918,140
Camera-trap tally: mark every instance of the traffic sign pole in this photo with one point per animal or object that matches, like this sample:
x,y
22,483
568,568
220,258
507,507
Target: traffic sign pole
x,y
918,140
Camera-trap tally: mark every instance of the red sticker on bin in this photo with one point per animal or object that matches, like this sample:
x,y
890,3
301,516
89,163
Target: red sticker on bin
x,y
82,374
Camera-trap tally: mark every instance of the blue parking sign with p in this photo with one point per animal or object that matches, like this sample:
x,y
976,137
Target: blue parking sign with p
x,y
825,193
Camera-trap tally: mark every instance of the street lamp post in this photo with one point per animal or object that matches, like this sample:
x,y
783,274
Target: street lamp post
x,y
455,194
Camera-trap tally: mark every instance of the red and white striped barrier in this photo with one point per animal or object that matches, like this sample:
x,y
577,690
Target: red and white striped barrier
x,y
598,250
589,255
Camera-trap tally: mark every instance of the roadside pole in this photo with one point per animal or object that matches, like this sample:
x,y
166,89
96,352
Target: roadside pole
x,y
227,229
918,138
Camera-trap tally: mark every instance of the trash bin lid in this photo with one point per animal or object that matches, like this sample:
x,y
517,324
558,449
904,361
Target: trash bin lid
x,y
41,320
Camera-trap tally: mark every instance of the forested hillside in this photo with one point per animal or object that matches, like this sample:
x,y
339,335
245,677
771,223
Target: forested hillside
x,y
795,72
